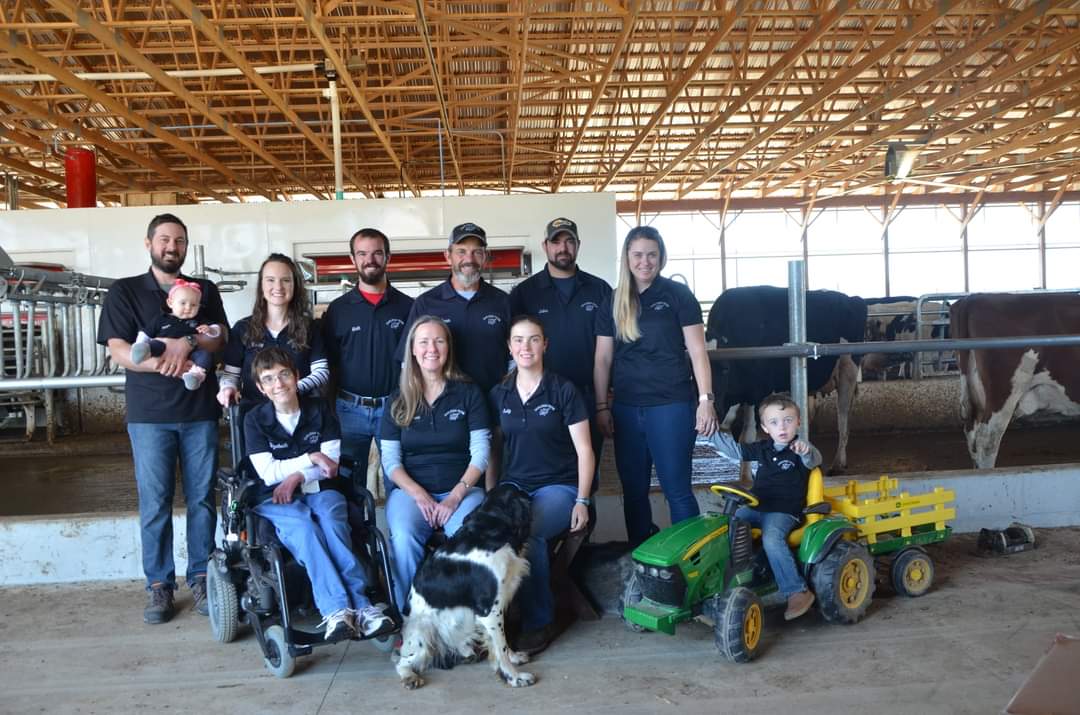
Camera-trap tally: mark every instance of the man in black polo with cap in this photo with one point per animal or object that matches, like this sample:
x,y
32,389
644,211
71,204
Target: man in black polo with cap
x,y
566,300
361,331
167,423
477,313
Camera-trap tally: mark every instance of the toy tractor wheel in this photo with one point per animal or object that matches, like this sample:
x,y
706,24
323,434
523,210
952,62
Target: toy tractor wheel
x,y
631,596
912,573
844,583
740,622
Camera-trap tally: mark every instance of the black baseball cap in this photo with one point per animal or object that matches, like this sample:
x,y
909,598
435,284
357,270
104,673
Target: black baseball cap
x,y
467,230
561,225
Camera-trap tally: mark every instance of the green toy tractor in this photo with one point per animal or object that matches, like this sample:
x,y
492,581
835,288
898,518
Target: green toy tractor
x,y
708,567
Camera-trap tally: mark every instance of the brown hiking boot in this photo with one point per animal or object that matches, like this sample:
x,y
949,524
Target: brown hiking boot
x,y
798,604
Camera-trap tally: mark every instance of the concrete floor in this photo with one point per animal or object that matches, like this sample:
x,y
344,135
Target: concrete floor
x,y
964,648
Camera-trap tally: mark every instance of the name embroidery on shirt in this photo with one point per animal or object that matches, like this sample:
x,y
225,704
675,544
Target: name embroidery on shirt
x,y
589,306
660,305
355,328
454,415
395,323
506,410
544,410
542,311
279,445
492,319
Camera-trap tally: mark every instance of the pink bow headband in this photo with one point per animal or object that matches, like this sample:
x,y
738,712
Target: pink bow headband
x,y
181,283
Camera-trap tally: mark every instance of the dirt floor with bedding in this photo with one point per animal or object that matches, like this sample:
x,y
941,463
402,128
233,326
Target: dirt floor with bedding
x,y
963,648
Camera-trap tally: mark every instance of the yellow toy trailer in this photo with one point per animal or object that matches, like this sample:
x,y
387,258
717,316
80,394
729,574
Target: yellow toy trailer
x,y
895,527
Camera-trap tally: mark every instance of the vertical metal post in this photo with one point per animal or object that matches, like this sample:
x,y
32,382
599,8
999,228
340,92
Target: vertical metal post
x,y
199,269
885,246
797,334
335,116
11,184
964,247
1042,244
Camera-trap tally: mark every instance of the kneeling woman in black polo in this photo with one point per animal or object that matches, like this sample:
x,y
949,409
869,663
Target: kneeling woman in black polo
x,y
548,453
435,440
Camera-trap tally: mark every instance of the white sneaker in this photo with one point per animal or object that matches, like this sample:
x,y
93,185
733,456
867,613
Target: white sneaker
x,y
370,620
339,625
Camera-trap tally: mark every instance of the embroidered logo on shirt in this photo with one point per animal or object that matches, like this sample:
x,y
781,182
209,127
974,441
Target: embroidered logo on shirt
x,y
312,437
785,464
544,410
454,415
660,305
542,311
256,346
355,328
395,323
506,410
279,445
589,306
492,319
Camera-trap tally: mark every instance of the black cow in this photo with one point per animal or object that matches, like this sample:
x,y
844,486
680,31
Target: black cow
x,y
893,318
758,316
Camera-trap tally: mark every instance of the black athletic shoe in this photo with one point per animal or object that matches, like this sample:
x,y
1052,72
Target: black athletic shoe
x,y
198,592
159,605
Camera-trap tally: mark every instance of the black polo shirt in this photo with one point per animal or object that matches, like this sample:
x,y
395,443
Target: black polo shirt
x,y
361,341
655,368
263,433
240,353
168,325
539,450
781,477
480,328
435,447
137,301
569,322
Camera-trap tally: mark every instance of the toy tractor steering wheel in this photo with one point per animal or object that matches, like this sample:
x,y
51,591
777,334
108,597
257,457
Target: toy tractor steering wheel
x,y
734,497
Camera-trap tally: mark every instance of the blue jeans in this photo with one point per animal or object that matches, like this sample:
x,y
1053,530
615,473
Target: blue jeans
x,y
409,532
664,435
775,526
315,529
359,425
551,509
155,449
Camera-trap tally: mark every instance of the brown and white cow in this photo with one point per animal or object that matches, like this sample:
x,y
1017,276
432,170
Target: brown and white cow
x,y
998,385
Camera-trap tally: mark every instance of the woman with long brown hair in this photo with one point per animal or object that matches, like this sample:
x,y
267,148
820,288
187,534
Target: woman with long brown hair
x,y
281,317
650,348
435,440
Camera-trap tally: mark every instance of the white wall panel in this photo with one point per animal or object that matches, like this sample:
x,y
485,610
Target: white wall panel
x,y
237,237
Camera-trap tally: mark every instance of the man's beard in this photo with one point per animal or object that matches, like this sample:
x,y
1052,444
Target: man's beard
x,y
467,280
158,262
563,261
372,274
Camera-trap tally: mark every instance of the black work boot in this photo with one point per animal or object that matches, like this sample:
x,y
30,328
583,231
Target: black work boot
x,y
159,604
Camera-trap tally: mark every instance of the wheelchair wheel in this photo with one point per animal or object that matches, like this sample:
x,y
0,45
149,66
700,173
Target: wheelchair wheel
x,y
278,660
224,606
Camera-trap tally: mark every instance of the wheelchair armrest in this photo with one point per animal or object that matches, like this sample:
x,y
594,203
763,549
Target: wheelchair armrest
x,y
822,507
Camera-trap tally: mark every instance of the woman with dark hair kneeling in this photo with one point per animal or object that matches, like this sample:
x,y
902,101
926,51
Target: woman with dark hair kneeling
x,y
434,440
548,454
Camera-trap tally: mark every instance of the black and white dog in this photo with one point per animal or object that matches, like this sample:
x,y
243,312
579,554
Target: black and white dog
x,y
461,592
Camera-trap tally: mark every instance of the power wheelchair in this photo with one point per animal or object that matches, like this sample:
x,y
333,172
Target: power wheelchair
x,y
252,579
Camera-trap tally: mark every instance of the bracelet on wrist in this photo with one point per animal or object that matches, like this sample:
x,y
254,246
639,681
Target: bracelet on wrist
x,y
465,484
583,500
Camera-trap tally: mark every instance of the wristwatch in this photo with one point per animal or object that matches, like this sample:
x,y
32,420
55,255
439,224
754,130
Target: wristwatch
x,y
583,500
192,341
706,397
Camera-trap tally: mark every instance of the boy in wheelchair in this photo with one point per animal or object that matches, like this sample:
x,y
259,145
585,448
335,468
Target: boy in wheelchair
x,y
294,445
783,464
